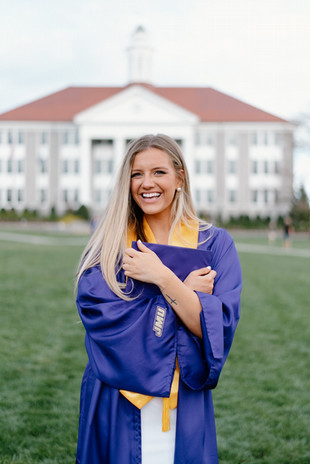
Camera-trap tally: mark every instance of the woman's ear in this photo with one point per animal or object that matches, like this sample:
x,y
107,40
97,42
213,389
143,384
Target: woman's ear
x,y
180,180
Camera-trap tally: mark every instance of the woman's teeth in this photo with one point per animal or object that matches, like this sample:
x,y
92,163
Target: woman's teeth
x,y
150,195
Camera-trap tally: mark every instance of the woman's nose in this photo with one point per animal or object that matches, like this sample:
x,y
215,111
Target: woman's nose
x,y
147,181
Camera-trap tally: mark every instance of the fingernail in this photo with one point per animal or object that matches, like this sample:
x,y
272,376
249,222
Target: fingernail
x,y
208,267
139,241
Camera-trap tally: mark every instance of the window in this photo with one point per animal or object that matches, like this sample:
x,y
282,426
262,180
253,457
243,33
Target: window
x,y
209,166
210,140
43,196
76,195
9,195
254,167
266,170
210,196
254,138
76,166
10,165
277,139
65,166
232,139
98,196
109,166
204,197
103,166
277,167
266,196
65,138
106,196
65,195
254,196
20,166
21,138
10,138
43,165
232,196
204,166
232,166
98,166
197,167
103,156
20,195
43,138
204,139
265,138
276,196
76,137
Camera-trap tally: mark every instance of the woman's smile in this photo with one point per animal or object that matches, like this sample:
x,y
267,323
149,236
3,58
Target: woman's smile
x,y
150,195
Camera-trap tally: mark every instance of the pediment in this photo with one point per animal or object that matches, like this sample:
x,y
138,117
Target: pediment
x,y
136,104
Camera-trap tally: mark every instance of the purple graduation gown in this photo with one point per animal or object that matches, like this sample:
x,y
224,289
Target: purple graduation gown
x,y
125,353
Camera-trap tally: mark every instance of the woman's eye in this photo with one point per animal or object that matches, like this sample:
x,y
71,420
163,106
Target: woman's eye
x,y
160,172
135,174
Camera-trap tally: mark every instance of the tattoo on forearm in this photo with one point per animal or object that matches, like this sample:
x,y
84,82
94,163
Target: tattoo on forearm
x,y
171,300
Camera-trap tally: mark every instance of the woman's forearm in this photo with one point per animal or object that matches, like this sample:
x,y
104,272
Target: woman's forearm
x,y
182,299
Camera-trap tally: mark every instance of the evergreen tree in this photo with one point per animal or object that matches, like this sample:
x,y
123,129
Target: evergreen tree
x,y
300,211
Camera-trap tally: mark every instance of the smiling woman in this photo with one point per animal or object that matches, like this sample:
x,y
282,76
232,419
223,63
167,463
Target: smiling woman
x,y
160,317
154,184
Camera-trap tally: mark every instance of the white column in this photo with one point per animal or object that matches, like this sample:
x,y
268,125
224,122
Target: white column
x,y
86,170
119,152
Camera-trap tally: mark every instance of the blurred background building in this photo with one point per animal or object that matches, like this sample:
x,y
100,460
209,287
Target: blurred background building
x,y
63,151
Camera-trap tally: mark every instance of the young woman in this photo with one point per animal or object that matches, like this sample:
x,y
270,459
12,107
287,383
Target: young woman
x,y
159,296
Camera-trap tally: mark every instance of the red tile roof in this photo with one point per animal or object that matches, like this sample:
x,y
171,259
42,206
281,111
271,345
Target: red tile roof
x,y
214,106
208,104
62,105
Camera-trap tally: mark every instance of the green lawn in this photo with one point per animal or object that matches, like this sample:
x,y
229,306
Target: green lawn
x,y
298,240
42,355
262,400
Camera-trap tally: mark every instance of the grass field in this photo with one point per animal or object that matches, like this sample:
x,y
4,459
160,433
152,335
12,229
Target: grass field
x,y
262,402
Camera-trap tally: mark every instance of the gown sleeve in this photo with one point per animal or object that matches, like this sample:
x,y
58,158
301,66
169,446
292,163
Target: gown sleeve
x,y
221,310
125,349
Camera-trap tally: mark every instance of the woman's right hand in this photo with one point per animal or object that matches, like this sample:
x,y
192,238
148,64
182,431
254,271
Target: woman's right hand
x,y
201,280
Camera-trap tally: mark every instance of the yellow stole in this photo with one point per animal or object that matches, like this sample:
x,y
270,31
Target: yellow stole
x,y
190,240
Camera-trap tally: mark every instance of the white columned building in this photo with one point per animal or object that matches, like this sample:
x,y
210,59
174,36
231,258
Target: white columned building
x,y
64,150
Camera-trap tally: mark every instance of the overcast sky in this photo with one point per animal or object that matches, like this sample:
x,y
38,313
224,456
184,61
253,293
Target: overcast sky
x,y
255,50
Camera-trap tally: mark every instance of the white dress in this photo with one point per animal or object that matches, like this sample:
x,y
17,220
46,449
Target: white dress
x,y
157,446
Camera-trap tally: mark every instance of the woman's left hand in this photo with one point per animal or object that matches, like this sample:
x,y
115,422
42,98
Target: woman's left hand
x,y
143,265
201,280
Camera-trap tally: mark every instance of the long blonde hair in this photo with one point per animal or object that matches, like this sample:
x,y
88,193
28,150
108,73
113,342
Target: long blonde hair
x,y
107,244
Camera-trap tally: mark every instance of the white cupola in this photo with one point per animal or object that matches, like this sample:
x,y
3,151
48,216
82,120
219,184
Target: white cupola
x,y
140,57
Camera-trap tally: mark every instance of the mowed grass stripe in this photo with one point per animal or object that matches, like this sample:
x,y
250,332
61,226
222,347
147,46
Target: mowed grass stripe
x,y
40,239
261,403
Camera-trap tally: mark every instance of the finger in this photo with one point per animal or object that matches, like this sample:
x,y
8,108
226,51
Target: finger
x,y
125,263
210,275
131,252
203,271
143,248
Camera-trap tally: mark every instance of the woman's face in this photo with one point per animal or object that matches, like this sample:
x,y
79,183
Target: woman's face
x,y
154,182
